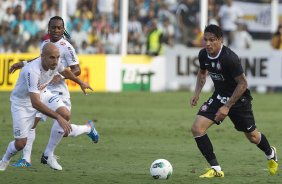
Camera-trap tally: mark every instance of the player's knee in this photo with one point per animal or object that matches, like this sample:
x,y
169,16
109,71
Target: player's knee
x,y
253,138
64,112
66,116
196,130
20,143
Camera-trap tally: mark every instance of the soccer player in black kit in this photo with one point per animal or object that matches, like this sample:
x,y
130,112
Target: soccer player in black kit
x,y
231,97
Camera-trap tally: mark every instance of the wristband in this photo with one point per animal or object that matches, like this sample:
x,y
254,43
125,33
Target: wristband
x,y
62,77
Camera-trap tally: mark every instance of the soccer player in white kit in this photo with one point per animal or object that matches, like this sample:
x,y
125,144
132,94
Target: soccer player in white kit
x,y
58,87
27,95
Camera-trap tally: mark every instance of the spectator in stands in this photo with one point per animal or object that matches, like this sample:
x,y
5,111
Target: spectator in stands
x,y
41,21
93,36
4,36
71,7
134,35
9,16
242,38
100,23
2,12
199,38
154,39
164,13
114,40
84,20
34,45
276,40
108,8
228,16
187,19
18,11
29,24
105,40
2,39
86,49
149,17
15,38
167,30
79,35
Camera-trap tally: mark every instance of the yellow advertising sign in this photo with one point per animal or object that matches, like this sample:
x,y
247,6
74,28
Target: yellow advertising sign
x,y
93,71
8,81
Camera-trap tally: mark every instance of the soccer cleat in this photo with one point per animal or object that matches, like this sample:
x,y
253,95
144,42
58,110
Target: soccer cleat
x,y
211,173
21,163
51,161
273,163
4,165
94,135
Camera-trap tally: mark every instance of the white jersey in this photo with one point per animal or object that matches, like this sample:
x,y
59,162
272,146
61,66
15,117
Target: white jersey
x,y
68,57
229,15
31,77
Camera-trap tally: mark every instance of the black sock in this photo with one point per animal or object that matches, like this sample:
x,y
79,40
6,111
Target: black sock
x,y
264,145
205,146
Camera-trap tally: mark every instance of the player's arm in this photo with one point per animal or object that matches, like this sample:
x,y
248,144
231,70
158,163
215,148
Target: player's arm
x,y
241,87
201,80
239,90
75,69
38,105
19,65
69,75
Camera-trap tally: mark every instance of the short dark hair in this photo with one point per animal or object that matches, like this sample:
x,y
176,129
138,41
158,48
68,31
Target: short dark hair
x,y
56,18
216,30
66,34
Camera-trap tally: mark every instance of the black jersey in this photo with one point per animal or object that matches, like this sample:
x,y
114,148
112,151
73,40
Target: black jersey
x,y
222,70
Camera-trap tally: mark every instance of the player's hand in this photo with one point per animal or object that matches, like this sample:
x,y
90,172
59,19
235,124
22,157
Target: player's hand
x,y
221,113
16,66
42,86
194,100
56,79
64,124
84,86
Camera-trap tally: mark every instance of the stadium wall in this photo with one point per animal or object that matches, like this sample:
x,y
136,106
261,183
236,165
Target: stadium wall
x,y
177,69
111,73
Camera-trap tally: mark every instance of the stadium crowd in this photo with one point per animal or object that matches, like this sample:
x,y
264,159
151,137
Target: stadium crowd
x,y
94,24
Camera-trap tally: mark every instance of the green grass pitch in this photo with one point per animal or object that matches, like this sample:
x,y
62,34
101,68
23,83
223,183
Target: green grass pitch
x,y
138,127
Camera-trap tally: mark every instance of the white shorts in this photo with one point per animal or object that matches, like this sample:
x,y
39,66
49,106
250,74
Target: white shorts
x,y
23,119
53,101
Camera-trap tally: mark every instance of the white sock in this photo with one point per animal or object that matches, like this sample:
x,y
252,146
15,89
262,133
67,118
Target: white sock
x,y
79,129
217,167
56,136
28,147
11,151
270,156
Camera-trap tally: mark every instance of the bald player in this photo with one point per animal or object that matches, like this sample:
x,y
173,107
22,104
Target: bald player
x,y
26,98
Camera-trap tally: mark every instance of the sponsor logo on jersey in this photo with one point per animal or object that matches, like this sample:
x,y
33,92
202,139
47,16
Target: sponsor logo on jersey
x,y
204,108
218,65
52,99
38,85
222,99
216,76
62,43
72,55
28,79
17,132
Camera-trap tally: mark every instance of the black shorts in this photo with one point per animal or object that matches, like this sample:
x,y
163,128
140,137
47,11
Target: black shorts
x,y
241,113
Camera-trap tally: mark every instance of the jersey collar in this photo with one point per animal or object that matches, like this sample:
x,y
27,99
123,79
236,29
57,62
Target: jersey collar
x,y
216,55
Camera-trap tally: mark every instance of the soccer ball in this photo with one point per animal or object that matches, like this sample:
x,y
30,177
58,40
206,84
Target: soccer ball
x,y
161,169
